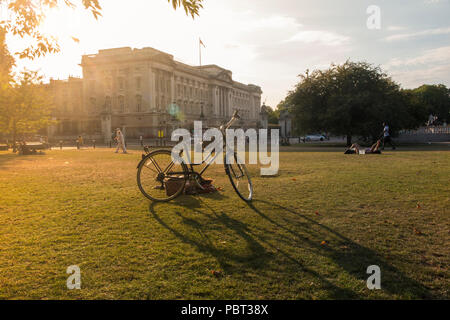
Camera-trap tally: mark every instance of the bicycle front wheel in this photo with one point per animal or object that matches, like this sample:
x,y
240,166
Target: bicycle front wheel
x,y
159,178
240,179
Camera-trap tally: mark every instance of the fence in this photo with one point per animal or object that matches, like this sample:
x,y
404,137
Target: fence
x,y
425,134
428,130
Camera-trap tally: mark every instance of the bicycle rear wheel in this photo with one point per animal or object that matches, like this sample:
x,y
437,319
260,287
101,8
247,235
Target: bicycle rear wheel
x,y
240,179
159,178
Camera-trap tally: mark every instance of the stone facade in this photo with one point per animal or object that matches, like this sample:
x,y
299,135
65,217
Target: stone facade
x,y
285,123
264,117
145,90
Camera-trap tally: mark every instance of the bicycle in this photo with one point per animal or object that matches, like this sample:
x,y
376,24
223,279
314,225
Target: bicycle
x,y
161,179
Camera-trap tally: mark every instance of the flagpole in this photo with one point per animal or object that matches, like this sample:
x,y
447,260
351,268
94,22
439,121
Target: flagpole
x,y
200,51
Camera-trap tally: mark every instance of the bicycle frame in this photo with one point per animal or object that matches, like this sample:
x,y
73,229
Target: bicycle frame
x,y
188,172
209,160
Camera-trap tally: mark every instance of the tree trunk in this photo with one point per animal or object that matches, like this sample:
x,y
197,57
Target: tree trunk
x,y
14,136
349,140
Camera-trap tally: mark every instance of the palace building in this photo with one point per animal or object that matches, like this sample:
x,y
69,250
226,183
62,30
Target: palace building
x,y
143,91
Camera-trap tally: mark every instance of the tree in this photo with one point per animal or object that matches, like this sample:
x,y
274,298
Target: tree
x,y
27,15
272,115
433,99
350,99
415,108
26,105
6,62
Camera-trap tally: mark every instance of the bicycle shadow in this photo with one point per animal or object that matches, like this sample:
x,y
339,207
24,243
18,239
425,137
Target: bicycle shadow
x,y
347,254
234,263
195,201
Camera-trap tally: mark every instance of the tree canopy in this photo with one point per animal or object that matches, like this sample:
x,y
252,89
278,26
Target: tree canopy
x,y
272,115
25,16
25,103
351,99
433,99
25,106
6,61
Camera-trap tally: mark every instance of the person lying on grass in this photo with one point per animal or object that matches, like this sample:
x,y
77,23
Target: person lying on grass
x,y
374,149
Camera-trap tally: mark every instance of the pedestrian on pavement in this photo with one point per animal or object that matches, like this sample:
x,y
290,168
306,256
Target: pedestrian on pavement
x,y
120,141
387,136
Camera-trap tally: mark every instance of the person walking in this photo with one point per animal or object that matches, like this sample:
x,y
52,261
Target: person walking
x,y
141,140
120,141
79,142
387,136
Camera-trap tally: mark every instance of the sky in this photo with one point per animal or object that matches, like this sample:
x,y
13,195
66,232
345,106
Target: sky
x,y
264,42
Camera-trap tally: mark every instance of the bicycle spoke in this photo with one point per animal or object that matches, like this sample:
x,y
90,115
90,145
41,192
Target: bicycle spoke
x,y
170,166
234,172
145,165
155,164
162,179
240,180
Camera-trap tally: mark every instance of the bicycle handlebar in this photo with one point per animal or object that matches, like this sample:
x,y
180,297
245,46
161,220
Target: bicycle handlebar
x,y
235,117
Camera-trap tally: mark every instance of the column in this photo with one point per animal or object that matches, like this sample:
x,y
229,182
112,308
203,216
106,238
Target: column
x,y
172,88
152,81
215,101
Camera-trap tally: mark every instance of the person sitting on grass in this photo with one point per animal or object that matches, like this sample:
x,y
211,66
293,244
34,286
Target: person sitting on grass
x,y
354,149
374,149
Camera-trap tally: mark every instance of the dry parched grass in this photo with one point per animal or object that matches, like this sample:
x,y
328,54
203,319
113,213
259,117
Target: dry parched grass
x,y
311,232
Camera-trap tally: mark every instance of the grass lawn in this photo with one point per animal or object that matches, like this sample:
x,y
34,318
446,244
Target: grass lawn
x,y
310,233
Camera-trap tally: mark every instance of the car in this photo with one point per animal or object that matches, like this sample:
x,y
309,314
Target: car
x,y
315,137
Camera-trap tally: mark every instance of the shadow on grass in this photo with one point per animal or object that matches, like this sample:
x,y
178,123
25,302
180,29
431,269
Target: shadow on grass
x,y
290,231
256,258
6,157
223,255
350,256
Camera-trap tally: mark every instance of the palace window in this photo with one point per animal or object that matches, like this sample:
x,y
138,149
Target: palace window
x,y
138,103
138,83
93,103
121,82
108,104
121,100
